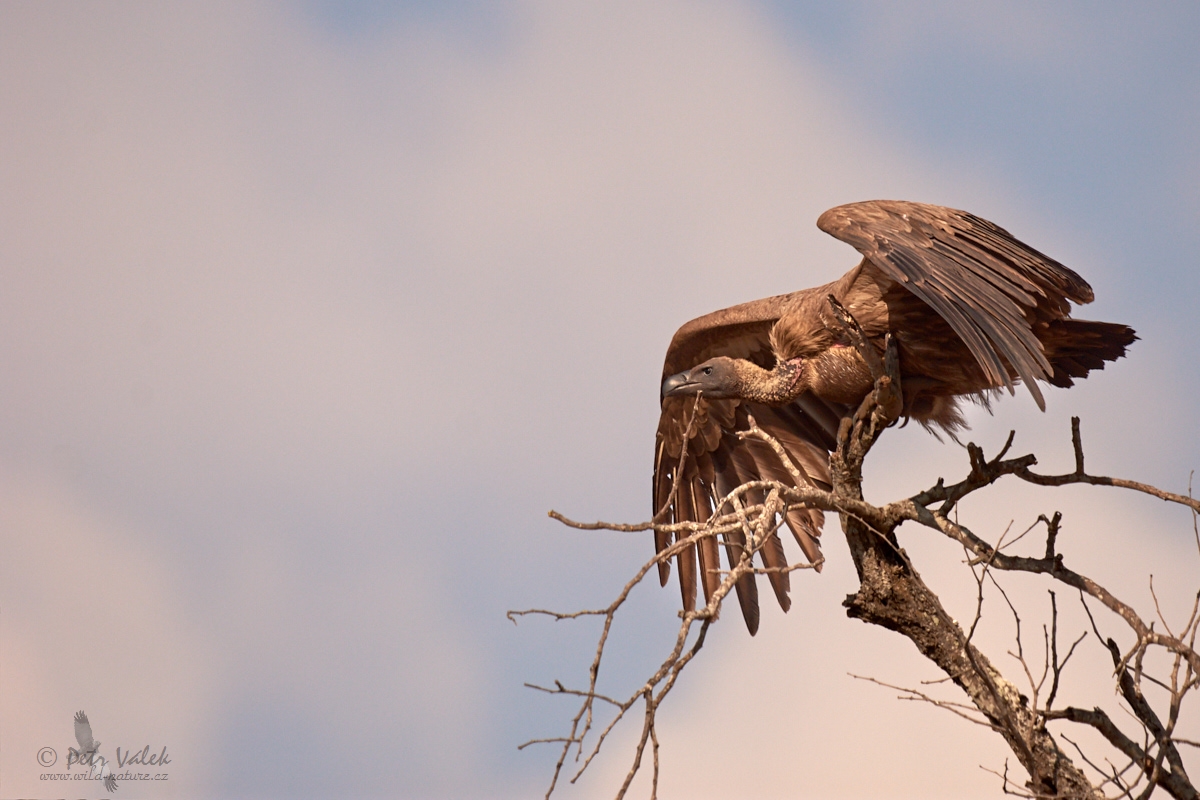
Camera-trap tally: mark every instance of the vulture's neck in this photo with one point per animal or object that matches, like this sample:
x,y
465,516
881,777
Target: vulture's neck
x,y
774,387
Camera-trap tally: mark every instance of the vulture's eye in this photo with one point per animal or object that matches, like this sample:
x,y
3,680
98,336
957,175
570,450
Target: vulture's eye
x,y
708,370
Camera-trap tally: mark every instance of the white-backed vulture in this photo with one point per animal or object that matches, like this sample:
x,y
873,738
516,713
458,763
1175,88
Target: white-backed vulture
x,y
972,309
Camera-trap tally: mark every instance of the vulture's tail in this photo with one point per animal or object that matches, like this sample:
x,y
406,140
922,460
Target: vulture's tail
x,y
1074,347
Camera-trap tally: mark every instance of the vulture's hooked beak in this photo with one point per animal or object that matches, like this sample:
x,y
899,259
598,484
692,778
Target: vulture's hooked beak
x,y
677,384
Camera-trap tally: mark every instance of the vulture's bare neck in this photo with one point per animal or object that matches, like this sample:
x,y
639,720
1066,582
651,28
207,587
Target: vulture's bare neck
x,y
774,387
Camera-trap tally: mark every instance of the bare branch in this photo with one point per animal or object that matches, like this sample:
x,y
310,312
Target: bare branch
x,y
892,594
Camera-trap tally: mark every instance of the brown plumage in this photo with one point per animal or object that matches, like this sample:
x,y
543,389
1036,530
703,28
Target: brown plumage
x,y
972,309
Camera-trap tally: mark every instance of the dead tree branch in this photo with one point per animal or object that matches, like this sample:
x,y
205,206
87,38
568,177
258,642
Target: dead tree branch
x,y
893,595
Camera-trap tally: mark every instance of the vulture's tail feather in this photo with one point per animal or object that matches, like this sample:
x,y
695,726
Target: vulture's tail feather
x,y
1075,347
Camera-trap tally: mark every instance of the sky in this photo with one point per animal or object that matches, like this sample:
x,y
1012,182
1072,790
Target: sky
x,y
313,310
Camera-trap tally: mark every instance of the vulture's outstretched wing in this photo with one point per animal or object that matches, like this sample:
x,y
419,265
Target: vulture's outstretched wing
x,y
717,461
991,288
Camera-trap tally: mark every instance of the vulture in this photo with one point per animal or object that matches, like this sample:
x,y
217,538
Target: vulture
x,y
971,309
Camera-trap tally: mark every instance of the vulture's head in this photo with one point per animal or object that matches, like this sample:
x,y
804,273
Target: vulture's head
x,y
717,378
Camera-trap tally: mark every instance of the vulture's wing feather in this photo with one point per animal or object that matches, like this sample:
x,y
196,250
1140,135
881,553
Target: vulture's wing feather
x,y
717,461
987,285
727,479
741,331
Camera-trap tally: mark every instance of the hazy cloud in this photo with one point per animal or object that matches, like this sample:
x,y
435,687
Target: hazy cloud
x,y
311,313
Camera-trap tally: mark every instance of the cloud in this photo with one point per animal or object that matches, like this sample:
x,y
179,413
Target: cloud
x,y
316,318
94,619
